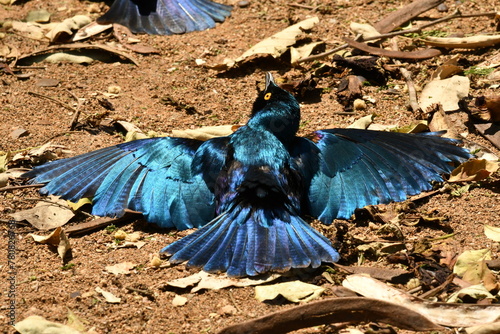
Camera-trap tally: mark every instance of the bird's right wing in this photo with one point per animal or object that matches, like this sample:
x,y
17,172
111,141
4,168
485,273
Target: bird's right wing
x,y
362,167
153,176
165,17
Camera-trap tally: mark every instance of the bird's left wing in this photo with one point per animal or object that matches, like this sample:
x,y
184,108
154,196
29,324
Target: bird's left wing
x,y
363,167
152,176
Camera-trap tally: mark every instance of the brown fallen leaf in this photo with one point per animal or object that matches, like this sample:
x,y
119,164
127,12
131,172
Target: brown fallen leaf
x,y
121,268
346,309
472,42
420,54
400,276
473,170
57,238
406,13
90,30
46,215
129,41
79,48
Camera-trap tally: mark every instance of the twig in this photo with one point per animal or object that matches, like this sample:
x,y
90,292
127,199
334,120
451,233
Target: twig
x,y
455,14
62,104
8,188
409,81
438,289
74,120
296,5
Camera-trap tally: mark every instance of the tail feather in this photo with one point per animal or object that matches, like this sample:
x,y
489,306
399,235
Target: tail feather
x,y
249,242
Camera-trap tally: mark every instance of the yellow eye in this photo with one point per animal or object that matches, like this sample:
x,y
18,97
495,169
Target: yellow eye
x,y
267,96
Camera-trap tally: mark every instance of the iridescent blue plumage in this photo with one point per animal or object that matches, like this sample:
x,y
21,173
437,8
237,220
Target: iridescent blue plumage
x,y
247,191
166,17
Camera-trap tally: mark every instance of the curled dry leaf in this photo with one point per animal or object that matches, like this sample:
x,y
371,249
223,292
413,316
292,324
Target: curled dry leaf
x,y
477,292
91,51
446,314
275,45
473,170
108,296
364,29
57,238
295,291
38,324
472,42
206,132
492,232
90,30
63,31
204,280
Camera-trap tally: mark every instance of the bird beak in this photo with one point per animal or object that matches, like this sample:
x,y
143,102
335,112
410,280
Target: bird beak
x,y
269,80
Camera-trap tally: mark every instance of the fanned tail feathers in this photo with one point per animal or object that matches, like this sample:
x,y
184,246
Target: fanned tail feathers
x,y
246,241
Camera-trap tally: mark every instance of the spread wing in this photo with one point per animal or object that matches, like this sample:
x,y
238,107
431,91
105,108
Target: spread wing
x,y
165,17
153,176
362,167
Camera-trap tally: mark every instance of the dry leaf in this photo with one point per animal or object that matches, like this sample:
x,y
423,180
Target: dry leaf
x,y
205,133
295,291
492,232
45,215
76,52
362,123
296,54
35,324
90,30
57,238
121,268
472,42
473,170
419,54
63,31
477,292
470,258
493,328
110,298
447,92
275,45
179,300
208,281
365,29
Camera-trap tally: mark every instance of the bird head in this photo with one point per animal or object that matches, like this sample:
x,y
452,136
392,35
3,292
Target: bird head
x,y
276,110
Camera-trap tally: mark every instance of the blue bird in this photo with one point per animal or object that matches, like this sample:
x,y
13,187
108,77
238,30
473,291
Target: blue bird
x,y
165,17
247,192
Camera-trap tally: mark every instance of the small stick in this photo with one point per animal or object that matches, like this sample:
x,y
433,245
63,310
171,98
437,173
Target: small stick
x,y
37,185
412,92
62,104
302,6
74,120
